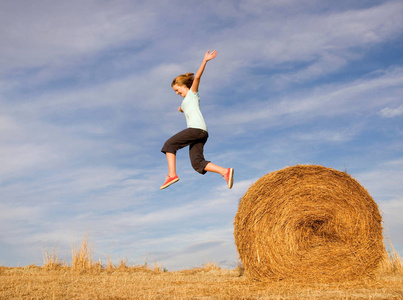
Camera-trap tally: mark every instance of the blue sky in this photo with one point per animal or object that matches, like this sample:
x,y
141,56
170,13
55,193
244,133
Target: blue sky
x,y
86,105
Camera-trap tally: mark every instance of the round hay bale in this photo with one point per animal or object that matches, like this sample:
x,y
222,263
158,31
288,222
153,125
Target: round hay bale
x,y
308,223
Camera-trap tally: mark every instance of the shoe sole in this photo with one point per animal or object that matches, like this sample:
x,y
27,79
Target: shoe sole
x,y
231,178
169,183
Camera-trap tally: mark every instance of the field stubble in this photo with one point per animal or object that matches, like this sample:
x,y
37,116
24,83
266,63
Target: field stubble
x,y
86,278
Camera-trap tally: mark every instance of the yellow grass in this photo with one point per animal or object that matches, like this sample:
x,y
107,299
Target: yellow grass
x,y
86,278
393,264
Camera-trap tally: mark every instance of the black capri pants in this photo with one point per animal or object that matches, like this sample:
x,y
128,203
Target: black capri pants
x,y
194,138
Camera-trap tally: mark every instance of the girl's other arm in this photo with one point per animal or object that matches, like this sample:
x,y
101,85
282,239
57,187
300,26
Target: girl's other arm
x,y
208,56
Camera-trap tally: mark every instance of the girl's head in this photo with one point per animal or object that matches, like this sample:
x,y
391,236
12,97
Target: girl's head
x,y
184,79
182,84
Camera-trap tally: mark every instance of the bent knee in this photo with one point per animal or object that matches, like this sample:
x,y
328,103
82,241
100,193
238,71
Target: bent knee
x,y
199,166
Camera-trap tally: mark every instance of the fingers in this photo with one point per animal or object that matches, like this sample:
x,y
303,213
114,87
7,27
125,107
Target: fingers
x,y
212,54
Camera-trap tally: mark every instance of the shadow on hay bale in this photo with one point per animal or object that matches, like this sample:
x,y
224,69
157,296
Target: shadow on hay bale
x,y
308,223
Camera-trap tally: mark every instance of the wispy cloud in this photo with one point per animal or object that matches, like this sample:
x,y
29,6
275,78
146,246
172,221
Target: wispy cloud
x,y
389,112
65,32
317,42
384,184
363,96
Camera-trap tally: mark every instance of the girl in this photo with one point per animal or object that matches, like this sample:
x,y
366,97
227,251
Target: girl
x,y
195,136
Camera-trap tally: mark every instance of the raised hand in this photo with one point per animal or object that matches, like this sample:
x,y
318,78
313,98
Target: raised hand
x,y
209,56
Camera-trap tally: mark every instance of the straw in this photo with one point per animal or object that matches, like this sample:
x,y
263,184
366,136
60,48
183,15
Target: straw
x,y
308,223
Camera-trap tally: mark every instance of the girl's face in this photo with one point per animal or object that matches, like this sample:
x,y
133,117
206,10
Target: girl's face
x,y
181,90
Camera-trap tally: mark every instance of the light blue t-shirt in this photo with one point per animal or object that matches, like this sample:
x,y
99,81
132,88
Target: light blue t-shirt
x,y
191,108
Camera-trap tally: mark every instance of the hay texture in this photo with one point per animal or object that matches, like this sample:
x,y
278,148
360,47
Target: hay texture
x,y
308,223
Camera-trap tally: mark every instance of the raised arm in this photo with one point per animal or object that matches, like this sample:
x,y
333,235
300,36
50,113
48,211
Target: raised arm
x,y
208,56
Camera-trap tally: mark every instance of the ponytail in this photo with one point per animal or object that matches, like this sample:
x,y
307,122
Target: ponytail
x,y
184,79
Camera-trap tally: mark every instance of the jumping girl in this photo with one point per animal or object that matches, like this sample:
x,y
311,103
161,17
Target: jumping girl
x,y
195,136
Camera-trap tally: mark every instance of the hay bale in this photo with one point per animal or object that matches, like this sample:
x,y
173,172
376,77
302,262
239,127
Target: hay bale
x,y
308,223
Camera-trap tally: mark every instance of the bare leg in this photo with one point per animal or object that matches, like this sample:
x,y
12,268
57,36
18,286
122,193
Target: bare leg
x,y
216,169
171,178
171,159
228,174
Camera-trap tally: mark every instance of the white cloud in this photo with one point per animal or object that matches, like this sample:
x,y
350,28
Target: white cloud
x,y
338,135
389,112
46,32
9,214
326,40
383,181
363,96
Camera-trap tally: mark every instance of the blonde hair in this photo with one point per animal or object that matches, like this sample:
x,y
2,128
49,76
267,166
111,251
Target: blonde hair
x,y
184,79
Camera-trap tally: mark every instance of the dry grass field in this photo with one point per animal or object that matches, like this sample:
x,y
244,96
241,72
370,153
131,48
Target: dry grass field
x,y
85,278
